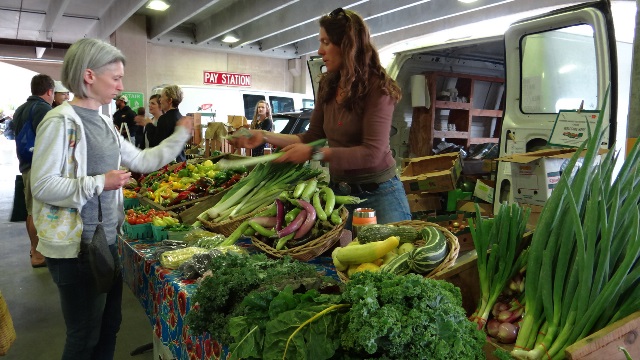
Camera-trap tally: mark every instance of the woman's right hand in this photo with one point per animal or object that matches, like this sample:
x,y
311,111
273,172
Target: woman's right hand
x,y
142,120
115,179
186,122
251,142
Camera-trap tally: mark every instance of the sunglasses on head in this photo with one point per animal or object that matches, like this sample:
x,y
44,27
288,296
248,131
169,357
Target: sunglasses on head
x,y
337,12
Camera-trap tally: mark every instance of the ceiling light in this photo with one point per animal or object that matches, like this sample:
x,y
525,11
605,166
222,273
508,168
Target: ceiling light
x,y
158,5
467,1
231,37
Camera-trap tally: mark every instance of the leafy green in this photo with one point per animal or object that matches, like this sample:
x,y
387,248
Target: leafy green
x,y
291,326
236,276
408,317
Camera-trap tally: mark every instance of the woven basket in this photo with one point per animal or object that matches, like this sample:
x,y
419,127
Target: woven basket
x,y
228,226
7,331
311,249
452,242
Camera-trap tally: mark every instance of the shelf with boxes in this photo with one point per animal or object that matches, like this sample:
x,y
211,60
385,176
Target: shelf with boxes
x,y
465,109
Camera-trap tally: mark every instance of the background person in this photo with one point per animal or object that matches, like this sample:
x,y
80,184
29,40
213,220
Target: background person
x,y
37,105
170,98
76,162
353,111
125,115
262,120
60,94
142,121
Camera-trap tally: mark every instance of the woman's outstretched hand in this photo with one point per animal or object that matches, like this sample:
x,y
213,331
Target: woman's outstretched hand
x,y
248,142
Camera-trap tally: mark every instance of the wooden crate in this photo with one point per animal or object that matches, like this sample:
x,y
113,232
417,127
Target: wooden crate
x,y
464,274
190,215
155,205
605,343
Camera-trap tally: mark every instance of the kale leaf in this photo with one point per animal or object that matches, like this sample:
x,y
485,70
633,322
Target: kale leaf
x,y
408,317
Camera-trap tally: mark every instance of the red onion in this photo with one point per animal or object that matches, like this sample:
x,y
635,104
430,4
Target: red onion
x,y
507,333
492,327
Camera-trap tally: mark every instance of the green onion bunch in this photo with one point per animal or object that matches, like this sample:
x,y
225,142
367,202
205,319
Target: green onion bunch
x,y
582,268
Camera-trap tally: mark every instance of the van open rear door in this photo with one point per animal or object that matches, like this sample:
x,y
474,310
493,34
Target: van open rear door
x,y
556,61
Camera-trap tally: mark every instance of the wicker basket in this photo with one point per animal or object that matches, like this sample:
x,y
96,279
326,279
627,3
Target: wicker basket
x,y
452,242
311,249
228,226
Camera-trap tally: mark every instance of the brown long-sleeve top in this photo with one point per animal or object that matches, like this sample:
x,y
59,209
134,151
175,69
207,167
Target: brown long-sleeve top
x,y
360,151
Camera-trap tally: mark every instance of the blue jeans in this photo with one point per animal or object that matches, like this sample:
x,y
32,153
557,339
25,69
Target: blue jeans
x,y
389,201
92,319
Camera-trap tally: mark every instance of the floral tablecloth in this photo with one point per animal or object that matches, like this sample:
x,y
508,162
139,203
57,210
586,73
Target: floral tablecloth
x,y
166,298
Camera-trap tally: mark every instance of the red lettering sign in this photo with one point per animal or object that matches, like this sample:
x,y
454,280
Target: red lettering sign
x,y
225,78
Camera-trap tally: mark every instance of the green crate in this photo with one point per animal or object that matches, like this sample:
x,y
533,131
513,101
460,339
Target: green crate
x,y
139,231
159,233
130,203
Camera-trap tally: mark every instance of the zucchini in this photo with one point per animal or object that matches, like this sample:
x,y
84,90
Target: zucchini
x,y
377,232
426,258
363,253
399,265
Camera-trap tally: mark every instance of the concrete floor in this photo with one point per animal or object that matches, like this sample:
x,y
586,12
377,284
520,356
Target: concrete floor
x,y
32,296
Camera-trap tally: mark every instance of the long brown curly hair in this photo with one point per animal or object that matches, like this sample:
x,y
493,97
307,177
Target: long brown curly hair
x,y
361,70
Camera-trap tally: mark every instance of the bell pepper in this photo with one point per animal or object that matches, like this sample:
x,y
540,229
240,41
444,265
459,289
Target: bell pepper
x,y
184,173
184,195
181,166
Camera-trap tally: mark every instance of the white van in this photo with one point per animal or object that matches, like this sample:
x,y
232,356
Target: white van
x,y
512,97
216,103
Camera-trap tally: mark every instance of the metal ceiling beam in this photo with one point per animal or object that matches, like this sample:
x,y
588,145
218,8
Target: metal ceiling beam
x,y
367,10
239,13
412,16
486,13
114,17
54,13
302,12
166,21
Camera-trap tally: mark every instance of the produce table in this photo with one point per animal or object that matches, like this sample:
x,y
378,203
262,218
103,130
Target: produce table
x,y
166,299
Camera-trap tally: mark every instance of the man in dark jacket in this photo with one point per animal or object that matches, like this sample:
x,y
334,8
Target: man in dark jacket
x,y
125,115
37,106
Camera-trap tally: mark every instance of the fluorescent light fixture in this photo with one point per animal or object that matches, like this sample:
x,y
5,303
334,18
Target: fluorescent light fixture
x,y
231,37
467,1
158,5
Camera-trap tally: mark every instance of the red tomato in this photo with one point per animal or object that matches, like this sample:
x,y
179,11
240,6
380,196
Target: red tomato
x,y
140,221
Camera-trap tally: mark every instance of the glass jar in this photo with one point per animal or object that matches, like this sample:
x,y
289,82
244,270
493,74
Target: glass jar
x,y
362,217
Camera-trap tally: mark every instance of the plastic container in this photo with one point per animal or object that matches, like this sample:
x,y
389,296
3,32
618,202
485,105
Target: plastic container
x,y
362,217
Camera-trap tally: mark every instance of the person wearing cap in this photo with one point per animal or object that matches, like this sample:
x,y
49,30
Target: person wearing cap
x,y
125,115
60,94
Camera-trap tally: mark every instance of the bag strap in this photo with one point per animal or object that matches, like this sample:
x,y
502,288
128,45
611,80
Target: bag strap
x,y
126,129
99,210
30,118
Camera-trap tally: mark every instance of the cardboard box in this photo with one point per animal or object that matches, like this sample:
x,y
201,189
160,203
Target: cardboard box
x,y
432,174
424,202
535,174
237,121
484,190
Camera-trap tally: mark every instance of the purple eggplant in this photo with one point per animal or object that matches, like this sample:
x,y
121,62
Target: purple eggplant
x,y
294,225
309,221
265,221
279,214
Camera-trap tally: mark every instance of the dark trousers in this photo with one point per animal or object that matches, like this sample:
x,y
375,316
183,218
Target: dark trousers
x,y
92,319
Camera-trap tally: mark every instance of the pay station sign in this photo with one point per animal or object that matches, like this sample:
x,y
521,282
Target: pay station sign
x,y
226,78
